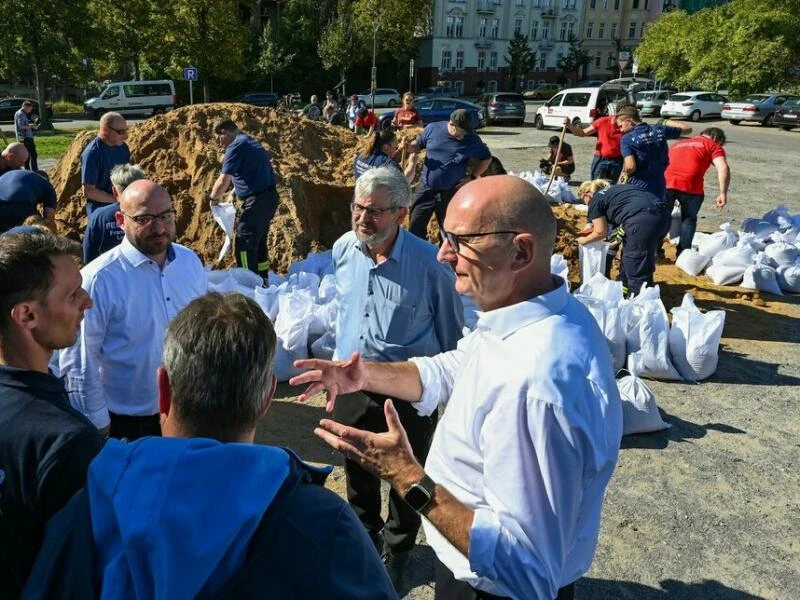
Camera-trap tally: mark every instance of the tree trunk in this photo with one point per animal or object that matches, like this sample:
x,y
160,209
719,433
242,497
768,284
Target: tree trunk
x,y
41,93
137,67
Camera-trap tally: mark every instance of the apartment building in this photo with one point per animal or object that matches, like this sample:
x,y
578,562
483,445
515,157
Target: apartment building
x,y
469,39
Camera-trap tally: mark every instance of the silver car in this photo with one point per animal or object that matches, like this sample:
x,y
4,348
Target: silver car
x,y
649,103
759,108
383,97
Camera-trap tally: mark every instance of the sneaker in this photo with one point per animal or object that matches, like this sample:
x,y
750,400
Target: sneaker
x,y
395,563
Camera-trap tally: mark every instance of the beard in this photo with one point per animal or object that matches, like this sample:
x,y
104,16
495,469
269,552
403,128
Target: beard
x,y
375,238
153,244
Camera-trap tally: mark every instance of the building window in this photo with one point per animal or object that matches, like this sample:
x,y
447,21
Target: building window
x,y
459,27
597,59
589,29
563,34
641,30
616,4
518,27
570,30
632,30
646,3
491,87
535,3
601,31
593,4
534,30
493,61
545,30
458,86
498,2
445,65
481,60
520,2
482,27
542,62
559,58
495,28
635,4
451,27
613,31
459,60
605,4
610,60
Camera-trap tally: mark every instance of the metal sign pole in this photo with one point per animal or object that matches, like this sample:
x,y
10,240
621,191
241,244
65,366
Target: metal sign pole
x,y
191,92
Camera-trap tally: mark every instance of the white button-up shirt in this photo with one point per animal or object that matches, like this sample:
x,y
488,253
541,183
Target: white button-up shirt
x,y
112,366
528,441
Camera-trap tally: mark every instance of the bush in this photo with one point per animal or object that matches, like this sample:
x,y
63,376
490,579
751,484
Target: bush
x,y
62,106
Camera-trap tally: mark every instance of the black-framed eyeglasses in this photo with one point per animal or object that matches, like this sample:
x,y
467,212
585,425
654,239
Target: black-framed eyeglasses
x,y
454,239
371,211
168,216
122,131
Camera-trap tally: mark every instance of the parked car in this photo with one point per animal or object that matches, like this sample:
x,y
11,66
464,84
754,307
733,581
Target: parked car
x,y
787,115
650,103
9,106
133,98
503,106
258,99
694,105
755,107
439,109
542,91
590,83
435,92
383,97
579,105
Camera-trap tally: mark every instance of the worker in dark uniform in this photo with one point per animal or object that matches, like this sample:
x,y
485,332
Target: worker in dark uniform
x,y
247,165
642,219
379,149
20,194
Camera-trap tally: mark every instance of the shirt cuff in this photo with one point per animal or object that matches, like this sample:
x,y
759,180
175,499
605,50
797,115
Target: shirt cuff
x,y
429,401
483,540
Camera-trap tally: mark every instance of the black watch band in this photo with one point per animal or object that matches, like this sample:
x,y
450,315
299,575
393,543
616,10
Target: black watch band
x,y
420,494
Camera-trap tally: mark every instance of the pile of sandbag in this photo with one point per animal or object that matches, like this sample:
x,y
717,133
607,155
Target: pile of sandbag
x,y
764,255
559,191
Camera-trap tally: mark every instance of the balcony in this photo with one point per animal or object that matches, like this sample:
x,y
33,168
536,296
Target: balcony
x,y
486,6
483,42
549,13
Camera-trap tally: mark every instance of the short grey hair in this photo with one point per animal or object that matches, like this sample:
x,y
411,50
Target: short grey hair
x,y
108,118
390,178
218,355
124,175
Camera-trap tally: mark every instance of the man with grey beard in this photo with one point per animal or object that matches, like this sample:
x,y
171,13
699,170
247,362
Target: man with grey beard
x,y
396,302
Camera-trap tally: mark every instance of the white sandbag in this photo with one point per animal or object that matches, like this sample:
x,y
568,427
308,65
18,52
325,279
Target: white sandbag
x,y
692,262
741,255
302,280
324,346
320,263
274,279
647,337
267,299
242,281
717,242
725,274
295,316
225,216
761,229
674,234
602,288
612,320
761,276
778,216
327,289
751,240
592,259
698,237
789,278
639,410
781,250
694,339
560,267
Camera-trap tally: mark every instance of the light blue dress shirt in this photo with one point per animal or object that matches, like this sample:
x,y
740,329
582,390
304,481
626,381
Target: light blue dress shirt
x,y
405,306
112,366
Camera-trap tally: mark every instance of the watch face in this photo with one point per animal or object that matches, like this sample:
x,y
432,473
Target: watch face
x,y
417,497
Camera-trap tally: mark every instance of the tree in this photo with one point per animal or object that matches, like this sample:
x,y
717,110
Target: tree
x,y
339,45
400,25
576,59
273,57
520,58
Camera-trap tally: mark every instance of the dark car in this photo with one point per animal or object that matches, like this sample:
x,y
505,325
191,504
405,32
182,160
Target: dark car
x,y
787,115
9,106
259,99
503,106
440,109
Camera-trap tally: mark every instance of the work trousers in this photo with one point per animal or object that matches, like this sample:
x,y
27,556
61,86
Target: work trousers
x,y
364,410
644,232
690,208
449,588
426,203
32,164
132,428
253,229
606,168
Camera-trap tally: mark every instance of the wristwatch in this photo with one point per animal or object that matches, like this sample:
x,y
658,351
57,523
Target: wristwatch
x,y
420,494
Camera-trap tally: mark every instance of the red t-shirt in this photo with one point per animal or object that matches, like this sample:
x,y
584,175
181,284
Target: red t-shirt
x,y
407,118
608,137
688,162
371,120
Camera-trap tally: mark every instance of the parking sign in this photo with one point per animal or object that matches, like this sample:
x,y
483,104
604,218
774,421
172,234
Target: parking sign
x,y
190,74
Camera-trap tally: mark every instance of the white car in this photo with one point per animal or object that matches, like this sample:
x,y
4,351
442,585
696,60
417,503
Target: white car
x,y
580,105
694,105
383,97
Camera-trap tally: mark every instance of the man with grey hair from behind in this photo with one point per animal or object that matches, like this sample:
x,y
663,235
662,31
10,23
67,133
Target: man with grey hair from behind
x,y
14,156
203,511
103,231
396,302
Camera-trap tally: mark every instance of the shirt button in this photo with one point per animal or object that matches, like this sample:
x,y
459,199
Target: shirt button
x,y
167,299
361,337
366,314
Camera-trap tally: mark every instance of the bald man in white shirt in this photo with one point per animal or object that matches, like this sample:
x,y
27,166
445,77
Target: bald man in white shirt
x,y
512,489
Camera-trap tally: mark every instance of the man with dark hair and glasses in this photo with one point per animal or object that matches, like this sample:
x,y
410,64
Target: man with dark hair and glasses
x,y
513,485
137,288
101,155
45,445
396,301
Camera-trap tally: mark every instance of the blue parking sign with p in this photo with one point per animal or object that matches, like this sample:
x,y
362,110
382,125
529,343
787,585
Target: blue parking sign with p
x,y
190,74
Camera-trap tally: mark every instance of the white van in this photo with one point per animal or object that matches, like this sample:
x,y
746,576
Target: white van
x,y
133,98
579,105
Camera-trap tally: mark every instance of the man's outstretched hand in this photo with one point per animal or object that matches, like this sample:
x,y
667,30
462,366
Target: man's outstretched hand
x,y
387,455
334,376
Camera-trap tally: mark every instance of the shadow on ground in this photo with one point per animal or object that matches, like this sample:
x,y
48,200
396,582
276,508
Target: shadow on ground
x,y
742,369
602,589
680,431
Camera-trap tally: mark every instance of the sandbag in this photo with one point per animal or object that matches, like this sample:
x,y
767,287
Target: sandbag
x,y
295,316
224,215
781,250
592,259
267,299
242,281
602,288
725,274
761,275
778,216
639,410
741,255
694,339
789,278
761,229
751,240
692,262
647,337
698,237
716,242
612,320
319,263
560,267
674,234
327,289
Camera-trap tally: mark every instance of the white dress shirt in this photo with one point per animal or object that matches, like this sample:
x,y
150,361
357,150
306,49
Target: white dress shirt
x,y
528,441
112,366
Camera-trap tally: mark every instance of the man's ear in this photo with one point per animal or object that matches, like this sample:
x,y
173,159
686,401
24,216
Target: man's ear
x,y
270,394
524,248
164,392
24,315
120,218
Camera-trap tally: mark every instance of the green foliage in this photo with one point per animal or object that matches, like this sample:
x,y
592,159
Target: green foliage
x,y
339,43
520,58
63,106
399,23
576,59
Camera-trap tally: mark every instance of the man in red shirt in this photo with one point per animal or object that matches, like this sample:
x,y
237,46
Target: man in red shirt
x,y
689,159
607,161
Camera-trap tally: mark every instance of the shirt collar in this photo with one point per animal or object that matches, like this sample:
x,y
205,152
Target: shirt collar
x,y
397,249
509,319
136,258
26,379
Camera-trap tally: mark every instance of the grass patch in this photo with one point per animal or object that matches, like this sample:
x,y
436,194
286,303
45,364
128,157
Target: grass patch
x,y
62,106
50,144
